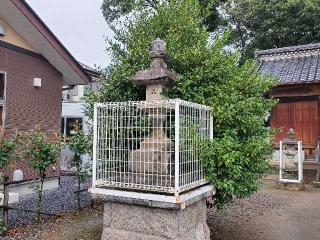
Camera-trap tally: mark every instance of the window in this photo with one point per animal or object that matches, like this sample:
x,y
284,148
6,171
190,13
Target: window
x,y
2,98
1,116
2,30
69,126
74,91
1,86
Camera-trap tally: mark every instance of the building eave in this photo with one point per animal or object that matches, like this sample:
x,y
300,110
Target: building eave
x,y
29,25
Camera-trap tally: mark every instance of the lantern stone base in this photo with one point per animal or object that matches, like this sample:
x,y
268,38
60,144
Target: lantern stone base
x,y
134,222
291,186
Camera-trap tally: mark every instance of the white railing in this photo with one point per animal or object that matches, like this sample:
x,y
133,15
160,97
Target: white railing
x,y
151,146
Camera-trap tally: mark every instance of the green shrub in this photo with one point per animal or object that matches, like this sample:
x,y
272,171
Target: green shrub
x,y
80,144
42,150
207,74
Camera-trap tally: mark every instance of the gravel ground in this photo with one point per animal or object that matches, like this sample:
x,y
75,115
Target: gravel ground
x,y
84,225
225,223
57,201
270,213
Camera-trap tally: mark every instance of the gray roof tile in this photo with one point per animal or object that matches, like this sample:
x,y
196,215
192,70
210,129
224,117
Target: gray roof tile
x,y
291,65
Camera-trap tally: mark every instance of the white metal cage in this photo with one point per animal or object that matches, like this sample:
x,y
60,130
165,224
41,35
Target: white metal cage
x,y
291,170
150,146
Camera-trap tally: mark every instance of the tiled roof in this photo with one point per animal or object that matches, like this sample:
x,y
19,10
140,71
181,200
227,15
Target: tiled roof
x,y
292,65
89,70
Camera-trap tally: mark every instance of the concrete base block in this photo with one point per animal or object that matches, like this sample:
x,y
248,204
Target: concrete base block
x,y
291,186
13,197
132,222
316,184
27,188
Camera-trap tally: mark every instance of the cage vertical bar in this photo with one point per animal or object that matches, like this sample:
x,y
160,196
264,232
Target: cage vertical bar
x,y
280,162
211,126
95,137
177,147
300,163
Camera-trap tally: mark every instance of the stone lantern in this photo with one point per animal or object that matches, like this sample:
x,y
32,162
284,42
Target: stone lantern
x,y
157,77
291,160
146,166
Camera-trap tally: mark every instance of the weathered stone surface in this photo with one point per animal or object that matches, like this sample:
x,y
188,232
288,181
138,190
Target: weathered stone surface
x,y
132,222
286,159
18,175
157,74
156,150
316,184
128,216
317,155
153,92
155,155
145,179
150,161
291,186
158,49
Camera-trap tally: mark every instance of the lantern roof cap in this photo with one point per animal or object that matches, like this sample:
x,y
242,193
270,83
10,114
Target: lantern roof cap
x,y
158,72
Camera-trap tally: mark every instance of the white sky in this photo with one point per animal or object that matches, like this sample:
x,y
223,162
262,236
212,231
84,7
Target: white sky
x,y
79,25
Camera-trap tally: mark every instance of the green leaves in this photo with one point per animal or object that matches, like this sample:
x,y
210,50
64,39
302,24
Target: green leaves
x,y
208,74
8,149
3,228
116,10
257,24
80,144
272,23
41,149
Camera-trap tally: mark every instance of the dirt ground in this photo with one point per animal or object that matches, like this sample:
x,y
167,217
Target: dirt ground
x,y
299,221
84,225
270,214
292,215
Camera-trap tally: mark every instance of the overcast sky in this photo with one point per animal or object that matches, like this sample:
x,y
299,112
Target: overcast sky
x,y
79,25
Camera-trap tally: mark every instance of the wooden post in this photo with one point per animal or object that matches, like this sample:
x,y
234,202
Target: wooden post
x,y
5,201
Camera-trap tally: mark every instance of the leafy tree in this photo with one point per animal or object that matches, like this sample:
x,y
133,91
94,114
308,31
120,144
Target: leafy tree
x,y
114,10
42,151
272,23
256,24
208,74
79,144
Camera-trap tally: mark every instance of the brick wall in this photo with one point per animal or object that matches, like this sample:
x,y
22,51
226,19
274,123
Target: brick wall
x,y
27,106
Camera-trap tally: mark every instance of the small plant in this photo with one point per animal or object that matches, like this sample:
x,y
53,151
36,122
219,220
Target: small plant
x,y
8,149
8,155
42,151
3,228
79,144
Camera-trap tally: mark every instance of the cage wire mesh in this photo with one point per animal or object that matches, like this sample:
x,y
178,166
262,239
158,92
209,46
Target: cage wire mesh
x,y
291,169
150,145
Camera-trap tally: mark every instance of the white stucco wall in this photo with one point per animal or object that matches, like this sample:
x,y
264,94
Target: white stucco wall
x,y
75,110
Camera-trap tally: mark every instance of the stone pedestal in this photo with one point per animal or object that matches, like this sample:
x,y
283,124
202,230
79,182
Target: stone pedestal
x,y
133,222
291,186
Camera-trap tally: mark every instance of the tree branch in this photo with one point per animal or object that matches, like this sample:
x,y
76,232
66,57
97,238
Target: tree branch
x,y
153,4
